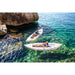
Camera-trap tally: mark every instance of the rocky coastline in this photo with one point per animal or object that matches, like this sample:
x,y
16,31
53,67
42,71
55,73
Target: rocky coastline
x,y
11,25
15,19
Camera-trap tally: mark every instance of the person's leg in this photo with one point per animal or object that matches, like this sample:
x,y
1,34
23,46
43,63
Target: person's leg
x,y
33,35
38,46
41,46
35,45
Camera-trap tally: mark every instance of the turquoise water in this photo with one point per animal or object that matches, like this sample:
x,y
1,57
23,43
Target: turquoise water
x,y
58,28
63,24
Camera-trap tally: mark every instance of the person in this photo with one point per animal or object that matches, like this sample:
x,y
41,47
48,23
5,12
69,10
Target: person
x,y
35,34
42,45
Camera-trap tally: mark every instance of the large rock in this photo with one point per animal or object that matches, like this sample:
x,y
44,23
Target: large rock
x,y
3,29
16,19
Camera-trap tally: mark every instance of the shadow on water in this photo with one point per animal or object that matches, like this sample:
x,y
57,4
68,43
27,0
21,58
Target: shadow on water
x,y
29,28
53,57
24,28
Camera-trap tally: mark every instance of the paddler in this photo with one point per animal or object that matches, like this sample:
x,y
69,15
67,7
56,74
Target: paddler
x,y
42,45
35,34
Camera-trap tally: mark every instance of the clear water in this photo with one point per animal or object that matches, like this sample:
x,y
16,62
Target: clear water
x,y
58,28
63,24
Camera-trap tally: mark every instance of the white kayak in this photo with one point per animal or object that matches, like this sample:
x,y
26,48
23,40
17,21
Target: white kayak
x,y
32,39
51,46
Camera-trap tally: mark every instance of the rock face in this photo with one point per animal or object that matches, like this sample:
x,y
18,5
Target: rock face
x,y
3,29
17,19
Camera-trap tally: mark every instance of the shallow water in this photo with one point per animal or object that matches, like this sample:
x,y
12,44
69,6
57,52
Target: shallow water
x,y
58,28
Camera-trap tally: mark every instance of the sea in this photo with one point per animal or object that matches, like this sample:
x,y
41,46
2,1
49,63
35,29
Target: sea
x,y
57,28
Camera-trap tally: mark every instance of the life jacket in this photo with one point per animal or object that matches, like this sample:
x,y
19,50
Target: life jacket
x,y
44,44
36,32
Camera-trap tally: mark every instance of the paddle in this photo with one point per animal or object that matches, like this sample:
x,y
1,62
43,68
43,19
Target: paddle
x,y
43,48
44,51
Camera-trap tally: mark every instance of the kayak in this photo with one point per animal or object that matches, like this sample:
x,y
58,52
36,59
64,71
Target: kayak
x,y
51,46
32,39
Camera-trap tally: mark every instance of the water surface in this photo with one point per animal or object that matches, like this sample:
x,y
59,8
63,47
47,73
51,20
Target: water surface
x,y
58,28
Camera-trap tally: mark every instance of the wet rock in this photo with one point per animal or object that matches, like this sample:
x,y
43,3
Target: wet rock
x,y
3,29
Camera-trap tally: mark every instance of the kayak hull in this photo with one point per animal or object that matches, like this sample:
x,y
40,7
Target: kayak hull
x,y
32,39
52,46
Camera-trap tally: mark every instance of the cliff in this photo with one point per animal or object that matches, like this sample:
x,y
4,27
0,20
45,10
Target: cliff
x,y
16,19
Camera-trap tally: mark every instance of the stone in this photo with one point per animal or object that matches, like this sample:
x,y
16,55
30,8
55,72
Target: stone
x,y
3,29
17,19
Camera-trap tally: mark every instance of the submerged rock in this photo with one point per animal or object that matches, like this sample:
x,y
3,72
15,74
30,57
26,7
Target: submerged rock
x,y
11,42
7,48
15,36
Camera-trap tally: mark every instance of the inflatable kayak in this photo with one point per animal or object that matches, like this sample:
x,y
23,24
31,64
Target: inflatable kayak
x,y
32,39
51,46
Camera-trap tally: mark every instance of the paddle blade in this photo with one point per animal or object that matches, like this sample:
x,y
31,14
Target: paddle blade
x,y
44,52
